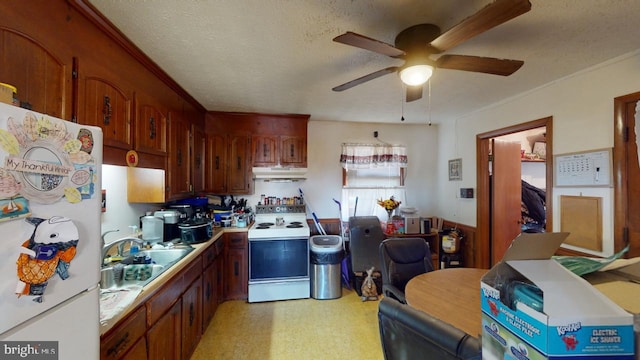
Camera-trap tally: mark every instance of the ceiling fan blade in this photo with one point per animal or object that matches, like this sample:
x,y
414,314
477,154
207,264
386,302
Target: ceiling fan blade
x,y
414,93
494,14
363,42
365,78
504,67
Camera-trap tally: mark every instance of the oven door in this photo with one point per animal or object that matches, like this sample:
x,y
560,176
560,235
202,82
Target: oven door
x,y
278,259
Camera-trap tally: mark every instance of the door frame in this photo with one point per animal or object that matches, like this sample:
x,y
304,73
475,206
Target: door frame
x,y
621,178
483,224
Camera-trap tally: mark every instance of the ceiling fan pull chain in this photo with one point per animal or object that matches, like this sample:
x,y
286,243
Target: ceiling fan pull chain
x,y
402,102
429,102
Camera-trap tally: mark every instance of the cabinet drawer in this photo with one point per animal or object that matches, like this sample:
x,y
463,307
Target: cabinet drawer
x,y
191,272
236,240
211,253
122,338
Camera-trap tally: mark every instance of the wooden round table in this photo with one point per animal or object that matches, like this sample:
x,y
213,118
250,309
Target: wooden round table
x,y
451,295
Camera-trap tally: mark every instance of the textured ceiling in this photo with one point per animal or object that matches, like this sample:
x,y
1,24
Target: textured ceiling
x,y
277,56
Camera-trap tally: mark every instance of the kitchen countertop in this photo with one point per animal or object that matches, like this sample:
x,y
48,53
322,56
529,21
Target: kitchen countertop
x,y
150,288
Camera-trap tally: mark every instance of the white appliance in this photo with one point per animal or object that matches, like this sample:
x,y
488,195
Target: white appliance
x,y
50,196
279,174
279,254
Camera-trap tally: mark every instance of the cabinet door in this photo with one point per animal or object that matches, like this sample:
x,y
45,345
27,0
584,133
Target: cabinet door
x,y
124,336
198,159
138,351
209,295
105,105
191,318
237,267
164,338
216,160
240,181
151,127
264,150
293,151
37,73
179,165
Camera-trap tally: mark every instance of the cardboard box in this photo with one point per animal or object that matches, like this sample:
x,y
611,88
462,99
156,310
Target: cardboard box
x,y
576,321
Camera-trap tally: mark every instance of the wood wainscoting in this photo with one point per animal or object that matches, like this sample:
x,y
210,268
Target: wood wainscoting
x,y
332,227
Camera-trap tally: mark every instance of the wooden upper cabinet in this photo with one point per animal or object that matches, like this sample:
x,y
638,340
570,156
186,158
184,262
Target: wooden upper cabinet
x,y
239,165
179,170
228,164
293,151
198,158
40,77
105,105
151,127
264,149
273,150
216,164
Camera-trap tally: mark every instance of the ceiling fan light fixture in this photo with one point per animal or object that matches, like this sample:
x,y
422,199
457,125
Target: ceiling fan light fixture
x,y
416,74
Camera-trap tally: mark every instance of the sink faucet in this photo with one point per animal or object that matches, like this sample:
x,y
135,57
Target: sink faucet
x,y
105,234
120,243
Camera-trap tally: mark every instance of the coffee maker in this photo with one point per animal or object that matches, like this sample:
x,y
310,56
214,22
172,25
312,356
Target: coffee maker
x,y
185,211
171,220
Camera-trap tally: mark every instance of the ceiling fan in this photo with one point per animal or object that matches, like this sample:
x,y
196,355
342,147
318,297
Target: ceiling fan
x,y
417,43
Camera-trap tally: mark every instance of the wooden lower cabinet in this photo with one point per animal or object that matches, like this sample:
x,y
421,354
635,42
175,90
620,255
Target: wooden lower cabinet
x,y
236,266
212,275
170,323
138,351
191,318
124,337
164,337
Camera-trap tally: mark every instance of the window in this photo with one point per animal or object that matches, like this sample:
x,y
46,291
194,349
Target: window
x,y
369,173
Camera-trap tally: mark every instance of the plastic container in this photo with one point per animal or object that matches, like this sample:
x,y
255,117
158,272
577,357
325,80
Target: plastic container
x,y
152,229
326,260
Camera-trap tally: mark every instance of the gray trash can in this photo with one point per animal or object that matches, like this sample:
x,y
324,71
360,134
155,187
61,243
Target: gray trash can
x,y
326,254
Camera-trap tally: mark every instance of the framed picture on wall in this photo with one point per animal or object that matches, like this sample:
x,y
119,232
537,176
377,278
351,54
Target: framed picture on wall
x,y
455,169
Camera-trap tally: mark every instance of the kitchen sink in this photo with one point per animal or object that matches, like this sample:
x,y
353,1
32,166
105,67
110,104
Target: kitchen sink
x,y
166,257
130,272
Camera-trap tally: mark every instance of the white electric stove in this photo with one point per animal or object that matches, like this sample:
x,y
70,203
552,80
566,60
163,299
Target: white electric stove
x,y
279,254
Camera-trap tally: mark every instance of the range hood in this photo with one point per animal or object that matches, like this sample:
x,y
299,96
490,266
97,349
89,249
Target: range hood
x,y
281,174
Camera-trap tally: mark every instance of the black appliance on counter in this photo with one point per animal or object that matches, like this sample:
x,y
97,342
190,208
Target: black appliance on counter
x,y
171,220
196,231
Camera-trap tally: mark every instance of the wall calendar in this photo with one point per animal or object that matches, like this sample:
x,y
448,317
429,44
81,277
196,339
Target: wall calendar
x,y
588,168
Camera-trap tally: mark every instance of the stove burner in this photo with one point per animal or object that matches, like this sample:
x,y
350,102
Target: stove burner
x,y
292,225
265,225
296,223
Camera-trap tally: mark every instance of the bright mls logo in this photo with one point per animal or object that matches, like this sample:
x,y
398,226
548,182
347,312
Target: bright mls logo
x,y
40,350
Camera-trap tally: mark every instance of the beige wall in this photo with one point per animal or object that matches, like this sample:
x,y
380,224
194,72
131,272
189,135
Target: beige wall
x,y
582,110
324,180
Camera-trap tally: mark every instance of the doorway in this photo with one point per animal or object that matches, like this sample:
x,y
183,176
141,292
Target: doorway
x,y
626,174
485,257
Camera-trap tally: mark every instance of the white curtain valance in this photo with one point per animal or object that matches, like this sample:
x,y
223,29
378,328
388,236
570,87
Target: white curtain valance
x,y
369,156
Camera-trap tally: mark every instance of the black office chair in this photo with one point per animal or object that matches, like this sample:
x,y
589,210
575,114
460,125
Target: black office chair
x,y
402,259
408,333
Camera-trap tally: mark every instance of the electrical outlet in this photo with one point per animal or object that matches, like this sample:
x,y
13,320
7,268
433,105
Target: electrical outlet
x,y
466,193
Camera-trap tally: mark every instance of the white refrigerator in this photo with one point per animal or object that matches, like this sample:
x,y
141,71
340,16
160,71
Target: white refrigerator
x,y
50,245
